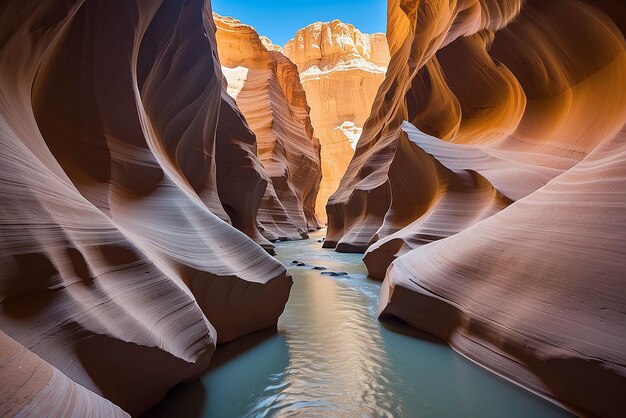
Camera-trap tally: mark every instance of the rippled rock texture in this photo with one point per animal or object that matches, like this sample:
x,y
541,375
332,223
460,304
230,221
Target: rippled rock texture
x,y
118,276
492,171
31,387
265,85
341,70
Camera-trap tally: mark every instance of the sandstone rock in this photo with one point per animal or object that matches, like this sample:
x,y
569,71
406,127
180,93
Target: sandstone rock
x,y
536,292
241,179
266,88
504,109
31,387
117,270
340,69
508,241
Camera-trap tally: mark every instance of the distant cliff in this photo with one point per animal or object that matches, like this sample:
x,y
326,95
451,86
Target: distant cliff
x,y
266,87
340,69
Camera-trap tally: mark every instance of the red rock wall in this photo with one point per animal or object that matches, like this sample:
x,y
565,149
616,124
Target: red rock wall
x,y
267,89
341,69
508,231
547,111
117,269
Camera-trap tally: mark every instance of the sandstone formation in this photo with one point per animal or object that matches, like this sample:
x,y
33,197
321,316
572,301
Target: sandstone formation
x,y
508,231
266,87
535,293
31,387
118,275
341,70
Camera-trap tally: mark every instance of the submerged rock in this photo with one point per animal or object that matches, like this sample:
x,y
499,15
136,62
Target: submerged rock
x,y
334,273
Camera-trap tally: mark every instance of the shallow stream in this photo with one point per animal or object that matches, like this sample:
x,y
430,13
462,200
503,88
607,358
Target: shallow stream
x,y
332,357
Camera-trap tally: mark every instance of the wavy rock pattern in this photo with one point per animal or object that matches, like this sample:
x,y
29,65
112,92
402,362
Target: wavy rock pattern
x,y
241,179
508,233
117,270
536,292
341,70
471,184
541,111
266,87
31,387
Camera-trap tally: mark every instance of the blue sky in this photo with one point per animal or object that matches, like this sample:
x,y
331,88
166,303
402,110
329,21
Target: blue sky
x,y
280,19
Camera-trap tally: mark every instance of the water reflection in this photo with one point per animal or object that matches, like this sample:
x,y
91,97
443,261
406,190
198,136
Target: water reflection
x,y
237,370
336,356
332,357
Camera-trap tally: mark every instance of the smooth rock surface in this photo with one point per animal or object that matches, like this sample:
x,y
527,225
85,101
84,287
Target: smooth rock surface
x,y
31,387
117,270
509,106
536,292
265,85
508,239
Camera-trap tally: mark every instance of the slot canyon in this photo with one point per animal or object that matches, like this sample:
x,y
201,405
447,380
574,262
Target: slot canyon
x,y
208,216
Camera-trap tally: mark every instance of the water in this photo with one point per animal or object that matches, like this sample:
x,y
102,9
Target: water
x,y
331,356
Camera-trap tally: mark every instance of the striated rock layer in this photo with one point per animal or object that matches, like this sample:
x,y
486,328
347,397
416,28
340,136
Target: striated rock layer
x,y
537,292
508,231
118,275
266,87
341,70
31,387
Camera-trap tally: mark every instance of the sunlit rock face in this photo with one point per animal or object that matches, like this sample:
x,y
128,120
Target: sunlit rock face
x,y
265,85
493,171
341,70
118,276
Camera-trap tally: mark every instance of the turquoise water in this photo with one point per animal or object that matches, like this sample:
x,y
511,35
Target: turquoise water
x,y
332,357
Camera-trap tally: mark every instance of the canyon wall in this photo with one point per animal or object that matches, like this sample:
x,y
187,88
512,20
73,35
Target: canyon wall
x,y
121,151
487,189
265,85
341,70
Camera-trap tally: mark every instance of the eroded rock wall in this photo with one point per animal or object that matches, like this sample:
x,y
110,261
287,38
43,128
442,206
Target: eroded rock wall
x,y
492,171
265,85
31,387
117,269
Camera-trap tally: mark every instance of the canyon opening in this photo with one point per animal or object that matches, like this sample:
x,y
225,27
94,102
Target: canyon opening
x,y
402,208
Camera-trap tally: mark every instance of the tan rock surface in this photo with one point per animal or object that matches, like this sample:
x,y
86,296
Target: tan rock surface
x,y
30,387
266,88
116,272
241,179
509,240
504,108
536,292
340,69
